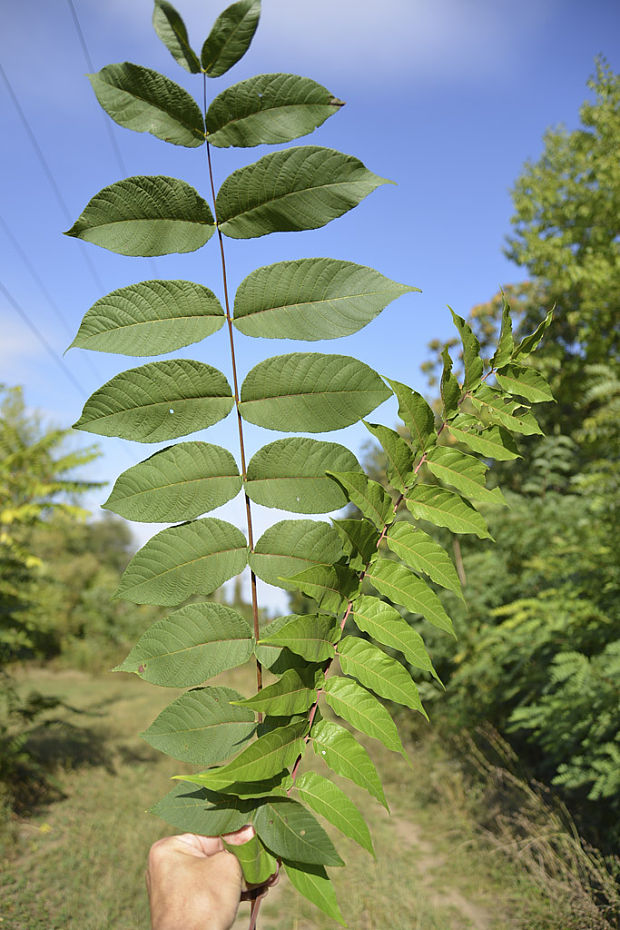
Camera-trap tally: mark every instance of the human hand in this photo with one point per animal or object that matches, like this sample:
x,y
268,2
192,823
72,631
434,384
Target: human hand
x,y
193,882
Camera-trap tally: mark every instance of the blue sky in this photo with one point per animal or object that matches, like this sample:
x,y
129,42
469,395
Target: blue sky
x,y
446,97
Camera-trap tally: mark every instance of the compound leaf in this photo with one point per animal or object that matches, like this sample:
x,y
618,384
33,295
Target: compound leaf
x,y
191,645
345,756
310,392
330,801
177,483
194,558
146,216
377,671
202,726
290,474
295,189
158,401
312,298
268,109
150,318
146,101
230,37
404,588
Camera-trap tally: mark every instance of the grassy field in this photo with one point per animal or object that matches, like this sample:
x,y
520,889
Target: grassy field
x,y
78,863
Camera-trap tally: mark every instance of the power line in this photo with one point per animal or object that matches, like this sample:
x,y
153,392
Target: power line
x,y
41,338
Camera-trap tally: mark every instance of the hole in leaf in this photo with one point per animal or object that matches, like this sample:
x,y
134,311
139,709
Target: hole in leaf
x,y
171,410
302,832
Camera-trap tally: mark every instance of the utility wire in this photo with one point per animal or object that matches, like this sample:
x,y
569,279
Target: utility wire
x,y
41,338
48,173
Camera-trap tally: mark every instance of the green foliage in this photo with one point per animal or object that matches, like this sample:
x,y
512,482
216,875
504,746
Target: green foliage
x,y
253,747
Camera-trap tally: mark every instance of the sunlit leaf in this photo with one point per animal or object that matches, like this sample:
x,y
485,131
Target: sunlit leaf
x,y
383,622
314,884
344,755
494,442
191,645
146,216
331,586
201,811
472,363
360,540
290,474
257,864
529,343
464,472
158,401
362,710
146,101
405,589
493,408
446,508
194,558
290,831
202,726
268,109
295,189
525,382
505,343
171,30
328,800
369,496
415,414
312,298
291,546
293,693
177,483
379,672
230,37
150,318
310,392
398,454
423,554
310,636
449,387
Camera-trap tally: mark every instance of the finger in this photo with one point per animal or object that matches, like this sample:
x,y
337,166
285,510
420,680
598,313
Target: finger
x,y
239,837
200,846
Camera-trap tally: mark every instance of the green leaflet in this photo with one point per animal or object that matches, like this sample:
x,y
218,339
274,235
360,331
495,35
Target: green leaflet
x,y
529,343
194,558
310,636
150,318
399,455
377,671
191,645
407,590
362,710
158,401
177,483
494,442
290,831
368,496
493,408
202,726
331,586
146,216
310,392
328,800
446,508
269,654
268,109
266,756
423,554
230,37
360,540
257,864
203,811
464,472
290,547
449,387
171,30
313,883
526,382
146,101
385,624
290,474
344,755
312,298
472,362
415,414
292,694
505,343
295,189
